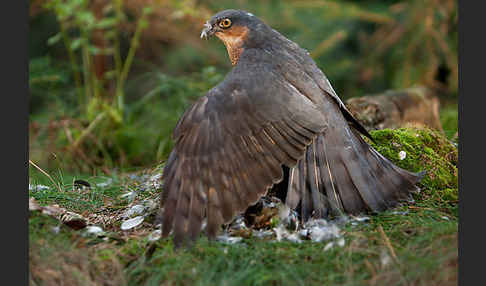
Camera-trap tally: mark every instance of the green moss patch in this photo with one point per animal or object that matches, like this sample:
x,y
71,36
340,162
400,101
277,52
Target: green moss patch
x,y
426,150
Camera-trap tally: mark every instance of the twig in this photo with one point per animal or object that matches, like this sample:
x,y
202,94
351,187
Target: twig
x,y
372,271
47,175
388,244
73,61
68,133
125,68
88,130
329,43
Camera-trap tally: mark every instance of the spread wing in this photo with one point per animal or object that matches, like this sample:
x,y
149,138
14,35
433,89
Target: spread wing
x,y
229,148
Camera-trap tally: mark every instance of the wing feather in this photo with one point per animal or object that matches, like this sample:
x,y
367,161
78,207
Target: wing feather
x,y
230,147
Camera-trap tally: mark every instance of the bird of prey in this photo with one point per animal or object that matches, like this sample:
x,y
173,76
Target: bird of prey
x,y
275,118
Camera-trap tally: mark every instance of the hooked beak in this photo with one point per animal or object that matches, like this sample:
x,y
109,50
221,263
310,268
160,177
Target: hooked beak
x,y
207,31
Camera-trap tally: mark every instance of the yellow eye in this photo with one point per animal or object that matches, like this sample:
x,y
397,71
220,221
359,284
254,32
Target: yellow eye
x,y
225,23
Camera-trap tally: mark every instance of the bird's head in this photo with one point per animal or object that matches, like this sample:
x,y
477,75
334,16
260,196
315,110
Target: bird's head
x,y
237,29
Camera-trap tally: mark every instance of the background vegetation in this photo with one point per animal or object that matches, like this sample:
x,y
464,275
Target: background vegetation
x,y
110,78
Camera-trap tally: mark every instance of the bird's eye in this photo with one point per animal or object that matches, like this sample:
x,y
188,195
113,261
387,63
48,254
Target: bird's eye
x,y
225,23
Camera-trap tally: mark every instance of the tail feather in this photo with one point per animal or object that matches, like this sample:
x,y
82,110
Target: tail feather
x,y
343,183
328,184
292,198
366,184
391,177
306,204
342,173
313,174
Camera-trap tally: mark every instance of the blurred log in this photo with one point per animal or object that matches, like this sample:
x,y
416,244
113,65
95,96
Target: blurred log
x,y
397,108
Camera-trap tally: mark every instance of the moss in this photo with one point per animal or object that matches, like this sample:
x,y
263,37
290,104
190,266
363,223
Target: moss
x,y
425,149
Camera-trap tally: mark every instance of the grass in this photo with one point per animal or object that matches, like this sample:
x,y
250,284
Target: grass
x,y
413,244
73,198
424,244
